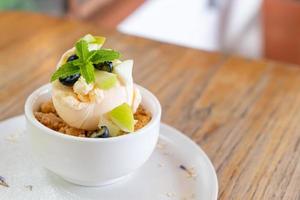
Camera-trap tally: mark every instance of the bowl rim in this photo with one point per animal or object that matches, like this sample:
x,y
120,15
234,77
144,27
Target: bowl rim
x,y
46,88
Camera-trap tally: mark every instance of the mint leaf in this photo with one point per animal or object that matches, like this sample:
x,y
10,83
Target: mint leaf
x,y
76,62
104,55
86,67
65,70
82,50
91,54
87,71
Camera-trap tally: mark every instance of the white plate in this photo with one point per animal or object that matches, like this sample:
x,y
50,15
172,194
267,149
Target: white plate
x,y
160,178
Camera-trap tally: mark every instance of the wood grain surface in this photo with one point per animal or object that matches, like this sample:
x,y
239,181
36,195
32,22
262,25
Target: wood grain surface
x,y
244,113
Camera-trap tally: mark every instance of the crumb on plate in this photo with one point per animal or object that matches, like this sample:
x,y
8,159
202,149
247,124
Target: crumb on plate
x,y
190,171
170,194
3,182
29,187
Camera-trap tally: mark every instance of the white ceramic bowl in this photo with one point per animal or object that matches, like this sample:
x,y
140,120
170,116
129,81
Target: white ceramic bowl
x,y
90,161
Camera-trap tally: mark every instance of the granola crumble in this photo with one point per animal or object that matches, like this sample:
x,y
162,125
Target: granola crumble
x,y
142,117
47,116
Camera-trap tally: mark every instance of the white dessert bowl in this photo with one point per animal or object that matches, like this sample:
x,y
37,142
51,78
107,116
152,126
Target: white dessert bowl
x,y
91,161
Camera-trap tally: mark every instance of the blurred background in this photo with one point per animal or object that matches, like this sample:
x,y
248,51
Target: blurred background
x,y
254,28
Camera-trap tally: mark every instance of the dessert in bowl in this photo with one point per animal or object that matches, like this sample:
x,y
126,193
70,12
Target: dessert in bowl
x,y
92,125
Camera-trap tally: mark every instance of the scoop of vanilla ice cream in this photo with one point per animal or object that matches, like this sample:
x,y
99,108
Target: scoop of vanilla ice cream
x,y
83,105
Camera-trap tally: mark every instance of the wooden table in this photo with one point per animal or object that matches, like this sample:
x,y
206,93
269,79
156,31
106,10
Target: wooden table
x,y
244,113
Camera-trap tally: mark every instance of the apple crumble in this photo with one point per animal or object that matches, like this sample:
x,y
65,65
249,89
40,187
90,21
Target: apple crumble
x,y
48,116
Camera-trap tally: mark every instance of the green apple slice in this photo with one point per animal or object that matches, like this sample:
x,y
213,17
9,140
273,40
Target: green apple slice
x,y
122,116
114,130
99,40
94,42
94,39
105,80
124,71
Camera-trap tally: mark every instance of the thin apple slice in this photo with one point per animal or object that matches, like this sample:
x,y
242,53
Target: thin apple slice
x,y
124,71
105,80
94,42
122,116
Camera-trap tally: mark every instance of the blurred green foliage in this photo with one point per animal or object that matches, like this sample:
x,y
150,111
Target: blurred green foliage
x,y
53,7
18,5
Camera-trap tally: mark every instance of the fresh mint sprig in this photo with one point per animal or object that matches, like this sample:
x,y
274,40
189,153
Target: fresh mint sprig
x,y
84,63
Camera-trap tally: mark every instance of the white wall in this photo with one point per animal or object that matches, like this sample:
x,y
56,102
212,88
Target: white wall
x,y
193,23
